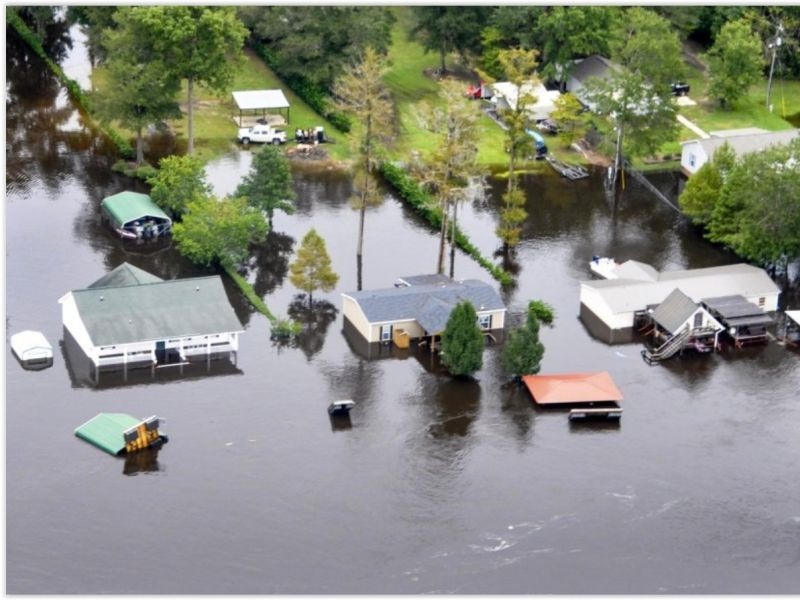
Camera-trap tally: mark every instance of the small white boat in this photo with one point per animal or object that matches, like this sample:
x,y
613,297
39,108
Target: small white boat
x,y
32,349
603,266
340,407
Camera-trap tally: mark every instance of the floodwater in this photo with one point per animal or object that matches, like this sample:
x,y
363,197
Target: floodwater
x,y
437,485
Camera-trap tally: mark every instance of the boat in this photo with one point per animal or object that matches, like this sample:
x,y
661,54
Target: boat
x,y
566,170
32,349
125,234
603,266
340,407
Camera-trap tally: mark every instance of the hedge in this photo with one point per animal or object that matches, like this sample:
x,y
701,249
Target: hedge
x,y
76,93
421,202
312,94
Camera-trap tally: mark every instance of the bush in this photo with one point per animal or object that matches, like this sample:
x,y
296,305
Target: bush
x,y
421,202
314,95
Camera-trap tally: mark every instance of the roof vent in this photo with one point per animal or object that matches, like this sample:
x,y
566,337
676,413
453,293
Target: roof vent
x,y
197,289
101,298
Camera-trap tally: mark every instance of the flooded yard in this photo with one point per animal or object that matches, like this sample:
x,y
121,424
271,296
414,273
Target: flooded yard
x,y
439,485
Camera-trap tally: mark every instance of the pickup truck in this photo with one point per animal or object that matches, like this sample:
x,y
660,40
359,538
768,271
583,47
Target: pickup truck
x,y
261,133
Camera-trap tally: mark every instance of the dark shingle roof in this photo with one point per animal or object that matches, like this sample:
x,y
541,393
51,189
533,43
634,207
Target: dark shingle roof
x,y
737,310
156,311
593,66
425,302
674,310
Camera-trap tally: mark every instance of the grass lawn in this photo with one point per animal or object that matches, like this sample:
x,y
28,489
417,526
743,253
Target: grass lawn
x,y
411,89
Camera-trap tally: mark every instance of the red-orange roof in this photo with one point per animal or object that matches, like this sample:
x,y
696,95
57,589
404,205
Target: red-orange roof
x,y
572,388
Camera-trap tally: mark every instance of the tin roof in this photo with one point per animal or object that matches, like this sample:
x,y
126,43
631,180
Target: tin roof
x,y
674,311
572,388
736,310
156,311
748,142
594,66
427,301
132,206
125,274
106,431
260,99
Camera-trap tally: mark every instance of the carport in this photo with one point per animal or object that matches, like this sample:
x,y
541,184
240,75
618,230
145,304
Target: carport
x,y
253,101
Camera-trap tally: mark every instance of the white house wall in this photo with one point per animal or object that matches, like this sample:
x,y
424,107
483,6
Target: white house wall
x,y
692,157
71,319
595,302
352,311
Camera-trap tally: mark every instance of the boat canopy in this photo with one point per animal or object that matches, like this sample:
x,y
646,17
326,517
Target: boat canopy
x,y
126,207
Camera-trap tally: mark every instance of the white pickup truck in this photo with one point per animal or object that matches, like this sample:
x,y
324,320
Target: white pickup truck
x,y
261,133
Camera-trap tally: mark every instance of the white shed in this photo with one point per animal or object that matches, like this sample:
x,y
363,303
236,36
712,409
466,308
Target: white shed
x,y
505,96
32,349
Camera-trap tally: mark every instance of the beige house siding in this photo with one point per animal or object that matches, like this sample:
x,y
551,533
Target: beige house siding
x,y
355,315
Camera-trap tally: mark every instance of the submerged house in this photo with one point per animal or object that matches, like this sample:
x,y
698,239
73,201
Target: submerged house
x,y
135,216
610,308
419,306
131,317
743,321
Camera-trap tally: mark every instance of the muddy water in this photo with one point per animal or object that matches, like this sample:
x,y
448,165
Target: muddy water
x,y
437,485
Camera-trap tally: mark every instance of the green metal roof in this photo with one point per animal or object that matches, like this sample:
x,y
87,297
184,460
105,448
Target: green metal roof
x,y
156,311
123,275
106,431
130,206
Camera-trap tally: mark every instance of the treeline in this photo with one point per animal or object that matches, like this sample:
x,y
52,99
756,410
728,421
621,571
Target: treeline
x,y
750,204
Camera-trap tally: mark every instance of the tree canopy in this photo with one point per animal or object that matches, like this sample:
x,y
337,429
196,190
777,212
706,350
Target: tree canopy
x,y
702,190
179,181
446,29
523,352
218,231
735,62
268,186
462,341
311,270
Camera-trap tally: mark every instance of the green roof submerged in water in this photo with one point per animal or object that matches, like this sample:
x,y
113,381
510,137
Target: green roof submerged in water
x,y
132,206
106,431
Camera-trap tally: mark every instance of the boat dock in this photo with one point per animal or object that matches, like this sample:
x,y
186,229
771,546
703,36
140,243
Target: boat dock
x,y
566,170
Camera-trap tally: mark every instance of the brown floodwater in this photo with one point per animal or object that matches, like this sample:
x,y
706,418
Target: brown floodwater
x,y
435,485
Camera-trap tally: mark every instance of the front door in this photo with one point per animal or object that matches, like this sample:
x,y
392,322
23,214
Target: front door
x,y
161,352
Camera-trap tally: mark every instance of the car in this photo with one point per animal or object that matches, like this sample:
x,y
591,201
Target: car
x,y
680,88
548,126
264,134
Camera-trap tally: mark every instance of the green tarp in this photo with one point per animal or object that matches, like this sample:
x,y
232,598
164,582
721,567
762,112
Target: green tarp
x,y
106,431
132,206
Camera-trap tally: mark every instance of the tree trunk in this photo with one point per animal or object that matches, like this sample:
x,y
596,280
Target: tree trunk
x,y
358,272
190,128
453,241
139,148
310,299
442,54
442,238
364,196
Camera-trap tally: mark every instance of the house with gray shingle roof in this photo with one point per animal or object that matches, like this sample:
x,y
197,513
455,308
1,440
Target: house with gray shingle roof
x,y
591,67
131,316
678,312
696,153
420,305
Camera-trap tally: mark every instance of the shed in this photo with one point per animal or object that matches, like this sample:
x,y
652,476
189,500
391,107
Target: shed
x,y
678,312
135,215
506,96
736,311
32,348
117,432
260,100
573,388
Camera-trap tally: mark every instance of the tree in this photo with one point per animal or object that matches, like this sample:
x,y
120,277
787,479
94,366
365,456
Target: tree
x,y
218,231
735,62
462,341
646,44
201,44
317,43
361,91
703,188
179,181
570,118
523,352
311,270
268,185
567,32
519,66
141,89
454,160
445,29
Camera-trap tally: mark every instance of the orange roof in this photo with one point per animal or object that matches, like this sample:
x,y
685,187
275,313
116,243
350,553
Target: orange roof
x,y
572,388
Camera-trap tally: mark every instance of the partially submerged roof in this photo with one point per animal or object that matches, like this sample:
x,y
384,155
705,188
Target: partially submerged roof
x,y
126,207
425,301
736,310
794,315
674,311
260,99
572,388
31,345
106,431
156,311
629,295
434,278
125,274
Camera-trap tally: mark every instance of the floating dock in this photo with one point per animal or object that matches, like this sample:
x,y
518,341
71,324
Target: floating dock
x,y
566,170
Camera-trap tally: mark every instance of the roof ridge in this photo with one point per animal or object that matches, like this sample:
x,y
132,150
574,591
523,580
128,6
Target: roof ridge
x,y
116,287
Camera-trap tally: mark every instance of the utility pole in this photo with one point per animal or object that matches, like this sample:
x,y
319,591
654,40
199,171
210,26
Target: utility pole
x,y
774,47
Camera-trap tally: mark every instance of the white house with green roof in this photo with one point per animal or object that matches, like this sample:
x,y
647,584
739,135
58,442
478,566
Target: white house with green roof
x,y
131,316
135,216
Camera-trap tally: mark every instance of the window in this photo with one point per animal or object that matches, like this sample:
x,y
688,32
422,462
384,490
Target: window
x,y
485,321
762,301
698,319
692,159
386,333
